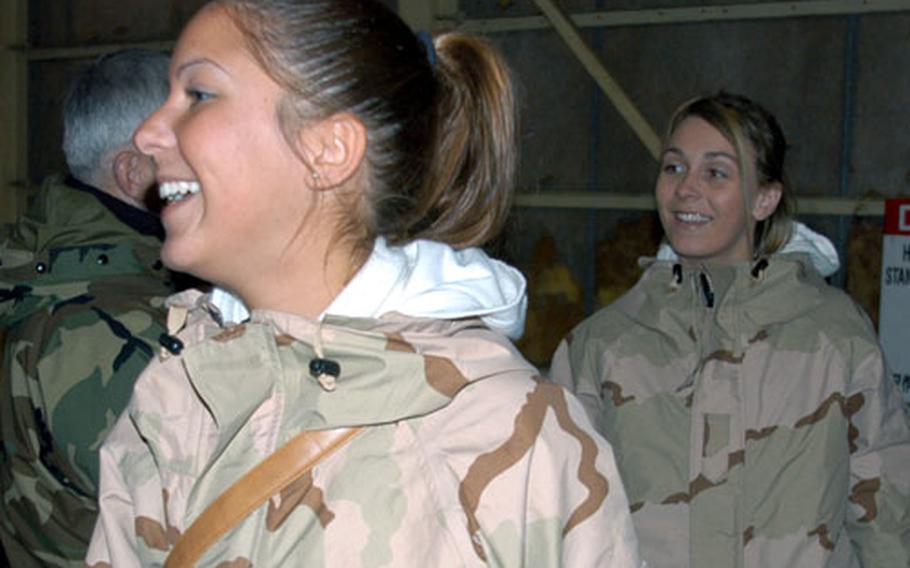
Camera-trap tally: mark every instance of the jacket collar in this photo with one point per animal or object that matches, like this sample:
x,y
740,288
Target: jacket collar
x,y
392,368
142,222
772,290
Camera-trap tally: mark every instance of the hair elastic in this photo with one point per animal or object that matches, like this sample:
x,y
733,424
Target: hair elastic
x,y
427,40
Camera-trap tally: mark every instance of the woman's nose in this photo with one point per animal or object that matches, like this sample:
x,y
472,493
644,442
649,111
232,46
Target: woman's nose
x,y
154,134
688,186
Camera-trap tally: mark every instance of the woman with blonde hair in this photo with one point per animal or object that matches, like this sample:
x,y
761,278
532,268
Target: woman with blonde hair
x,y
337,173
747,401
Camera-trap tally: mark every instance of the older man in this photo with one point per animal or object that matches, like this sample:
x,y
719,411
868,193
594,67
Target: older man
x,y
81,290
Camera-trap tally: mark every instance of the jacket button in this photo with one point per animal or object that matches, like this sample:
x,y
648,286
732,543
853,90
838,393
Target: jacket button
x,y
101,260
40,268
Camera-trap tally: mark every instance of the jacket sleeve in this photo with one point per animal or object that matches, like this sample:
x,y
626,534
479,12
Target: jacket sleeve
x,y
576,366
557,486
91,359
69,371
596,522
127,473
525,480
878,519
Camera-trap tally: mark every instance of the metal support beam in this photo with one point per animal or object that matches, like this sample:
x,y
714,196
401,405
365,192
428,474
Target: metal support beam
x,y
13,108
757,11
592,63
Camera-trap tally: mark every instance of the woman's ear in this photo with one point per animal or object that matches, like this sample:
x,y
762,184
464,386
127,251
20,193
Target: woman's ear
x,y
332,149
766,201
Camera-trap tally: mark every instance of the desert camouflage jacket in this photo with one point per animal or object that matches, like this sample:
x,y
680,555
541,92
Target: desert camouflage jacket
x,y
465,460
80,296
751,418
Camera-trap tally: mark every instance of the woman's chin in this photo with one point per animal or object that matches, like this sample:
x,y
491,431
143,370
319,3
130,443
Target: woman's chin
x,y
177,260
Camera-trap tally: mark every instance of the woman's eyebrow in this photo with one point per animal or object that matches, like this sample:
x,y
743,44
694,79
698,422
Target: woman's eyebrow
x,y
720,154
197,61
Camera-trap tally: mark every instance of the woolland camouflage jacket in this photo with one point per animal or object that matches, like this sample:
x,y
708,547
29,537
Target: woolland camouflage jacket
x,y
465,459
752,418
81,301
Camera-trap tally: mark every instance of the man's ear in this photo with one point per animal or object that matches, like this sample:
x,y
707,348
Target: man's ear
x,y
332,149
134,174
766,201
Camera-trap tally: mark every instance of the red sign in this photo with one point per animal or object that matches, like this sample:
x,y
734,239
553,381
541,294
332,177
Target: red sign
x,y
897,216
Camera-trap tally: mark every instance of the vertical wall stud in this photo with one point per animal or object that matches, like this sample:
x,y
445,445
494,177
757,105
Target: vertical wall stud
x,y
13,107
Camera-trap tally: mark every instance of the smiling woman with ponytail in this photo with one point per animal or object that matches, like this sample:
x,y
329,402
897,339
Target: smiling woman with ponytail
x,y
336,174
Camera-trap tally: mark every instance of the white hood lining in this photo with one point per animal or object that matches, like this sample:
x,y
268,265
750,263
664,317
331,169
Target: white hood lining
x,y
803,239
422,279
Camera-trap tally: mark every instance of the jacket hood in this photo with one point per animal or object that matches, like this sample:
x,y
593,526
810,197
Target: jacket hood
x,y
804,240
781,288
65,240
67,215
389,368
423,279
427,279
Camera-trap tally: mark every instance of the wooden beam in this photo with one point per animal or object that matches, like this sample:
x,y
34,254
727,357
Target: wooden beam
x,y
13,108
595,67
714,13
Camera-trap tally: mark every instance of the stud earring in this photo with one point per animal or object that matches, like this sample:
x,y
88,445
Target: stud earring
x,y
315,176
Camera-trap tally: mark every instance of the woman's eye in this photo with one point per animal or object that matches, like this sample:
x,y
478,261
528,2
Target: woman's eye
x,y
672,168
198,96
717,173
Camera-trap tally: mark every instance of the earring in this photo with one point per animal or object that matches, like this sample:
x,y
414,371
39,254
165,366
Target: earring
x,y
315,176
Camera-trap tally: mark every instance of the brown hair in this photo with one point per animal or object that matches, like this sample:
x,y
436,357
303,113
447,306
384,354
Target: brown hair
x,y
440,122
753,132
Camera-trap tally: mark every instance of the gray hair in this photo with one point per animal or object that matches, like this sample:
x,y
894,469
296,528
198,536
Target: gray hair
x,y
106,103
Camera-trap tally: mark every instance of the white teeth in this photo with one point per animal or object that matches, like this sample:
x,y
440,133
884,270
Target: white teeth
x,y
692,217
176,190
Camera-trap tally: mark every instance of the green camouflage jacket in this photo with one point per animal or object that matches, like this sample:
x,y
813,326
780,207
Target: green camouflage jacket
x,y
81,298
466,458
751,416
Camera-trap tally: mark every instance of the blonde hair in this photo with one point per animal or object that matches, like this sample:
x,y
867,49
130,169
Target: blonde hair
x,y
760,150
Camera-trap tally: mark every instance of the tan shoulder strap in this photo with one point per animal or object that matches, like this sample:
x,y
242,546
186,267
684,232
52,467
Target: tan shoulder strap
x,y
268,478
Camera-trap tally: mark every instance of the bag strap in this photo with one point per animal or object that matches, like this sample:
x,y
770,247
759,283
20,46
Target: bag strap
x,y
266,479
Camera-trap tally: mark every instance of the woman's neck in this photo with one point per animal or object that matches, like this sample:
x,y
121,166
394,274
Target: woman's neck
x,y
303,284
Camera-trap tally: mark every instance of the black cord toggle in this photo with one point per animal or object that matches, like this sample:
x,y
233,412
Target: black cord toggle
x,y
171,343
321,366
759,267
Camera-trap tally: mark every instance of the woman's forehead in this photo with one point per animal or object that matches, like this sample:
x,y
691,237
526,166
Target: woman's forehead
x,y
696,134
211,33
